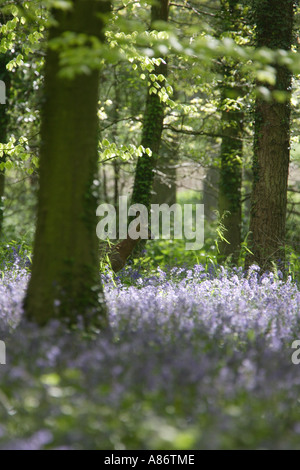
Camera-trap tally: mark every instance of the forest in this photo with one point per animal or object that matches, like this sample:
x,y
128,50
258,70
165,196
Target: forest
x,y
149,225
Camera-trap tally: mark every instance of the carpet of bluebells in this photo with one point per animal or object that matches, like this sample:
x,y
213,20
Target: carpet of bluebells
x,y
194,360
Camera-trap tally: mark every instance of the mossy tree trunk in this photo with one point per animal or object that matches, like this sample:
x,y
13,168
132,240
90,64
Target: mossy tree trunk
x,y
232,119
274,29
65,280
211,193
230,183
164,184
153,124
116,162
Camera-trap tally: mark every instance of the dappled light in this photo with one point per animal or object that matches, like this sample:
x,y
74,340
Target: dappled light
x,y
149,227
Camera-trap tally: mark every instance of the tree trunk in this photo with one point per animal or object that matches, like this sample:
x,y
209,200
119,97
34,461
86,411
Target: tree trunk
x,y
116,163
65,281
153,125
164,184
274,26
210,193
230,184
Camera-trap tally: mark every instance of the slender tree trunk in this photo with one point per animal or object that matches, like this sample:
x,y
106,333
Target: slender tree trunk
x,y
210,193
65,280
153,125
164,184
274,27
116,163
230,184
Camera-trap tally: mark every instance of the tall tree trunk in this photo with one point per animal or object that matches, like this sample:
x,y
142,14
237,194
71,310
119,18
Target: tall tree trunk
x,y
274,27
165,173
65,280
230,183
153,124
164,184
210,193
116,163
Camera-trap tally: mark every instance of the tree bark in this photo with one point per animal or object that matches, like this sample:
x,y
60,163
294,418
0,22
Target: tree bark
x,y
211,193
116,163
232,119
65,281
164,184
153,125
274,29
230,183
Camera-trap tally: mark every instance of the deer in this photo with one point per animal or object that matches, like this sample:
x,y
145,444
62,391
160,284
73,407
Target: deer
x,y
120,252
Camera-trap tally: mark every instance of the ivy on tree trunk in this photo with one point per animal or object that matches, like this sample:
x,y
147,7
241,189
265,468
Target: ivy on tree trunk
x,y
232,120
153,124
230,183
274,29
65,281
